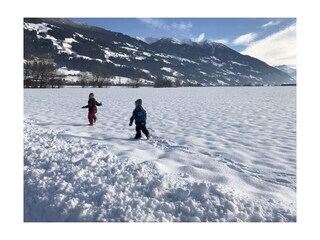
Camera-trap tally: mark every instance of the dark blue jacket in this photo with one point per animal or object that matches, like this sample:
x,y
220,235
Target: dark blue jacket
x,y
139,115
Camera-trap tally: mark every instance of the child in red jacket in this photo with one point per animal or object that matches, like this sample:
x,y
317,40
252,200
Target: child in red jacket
x,y
92,105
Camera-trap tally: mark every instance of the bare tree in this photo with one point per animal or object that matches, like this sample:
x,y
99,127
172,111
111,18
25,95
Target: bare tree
x,y
27,75
84,79
162,82
39,73
135,80
31,74
119,81
178,80
47,72
101,78
56,80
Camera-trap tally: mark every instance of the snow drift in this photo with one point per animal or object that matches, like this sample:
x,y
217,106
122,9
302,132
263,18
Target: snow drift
x,y
72,180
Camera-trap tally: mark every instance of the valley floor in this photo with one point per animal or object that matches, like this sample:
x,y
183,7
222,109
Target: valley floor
x,y
216,154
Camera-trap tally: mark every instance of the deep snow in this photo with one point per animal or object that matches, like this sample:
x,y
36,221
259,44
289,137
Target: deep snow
x,y
216,154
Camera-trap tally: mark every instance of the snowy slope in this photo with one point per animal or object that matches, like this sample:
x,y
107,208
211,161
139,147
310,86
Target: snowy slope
x,y
216,154
290,70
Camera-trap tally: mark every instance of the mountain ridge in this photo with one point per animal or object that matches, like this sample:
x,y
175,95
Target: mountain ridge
x,y
83,47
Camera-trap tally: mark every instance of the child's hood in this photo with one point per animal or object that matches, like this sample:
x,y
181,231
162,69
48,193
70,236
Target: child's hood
x,y
139,107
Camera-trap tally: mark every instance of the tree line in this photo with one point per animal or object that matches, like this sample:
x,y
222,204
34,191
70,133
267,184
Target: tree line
x,y
99,78
44,73
41,74
163,82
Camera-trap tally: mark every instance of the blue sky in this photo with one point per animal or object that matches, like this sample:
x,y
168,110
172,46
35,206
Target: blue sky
x,y
269,39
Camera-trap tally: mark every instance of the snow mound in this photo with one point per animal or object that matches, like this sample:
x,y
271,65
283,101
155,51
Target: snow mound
x,y
68,179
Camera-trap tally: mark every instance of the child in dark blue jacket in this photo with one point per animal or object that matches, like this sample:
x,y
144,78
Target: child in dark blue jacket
x,y
139,115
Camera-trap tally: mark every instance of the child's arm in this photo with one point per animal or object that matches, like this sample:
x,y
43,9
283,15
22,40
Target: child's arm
x,y
99,104
132,118
85,106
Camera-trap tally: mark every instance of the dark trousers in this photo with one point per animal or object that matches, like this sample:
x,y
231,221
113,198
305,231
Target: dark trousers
x,y
141,127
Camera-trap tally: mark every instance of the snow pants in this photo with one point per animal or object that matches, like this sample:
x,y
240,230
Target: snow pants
x,y
92,117
141,127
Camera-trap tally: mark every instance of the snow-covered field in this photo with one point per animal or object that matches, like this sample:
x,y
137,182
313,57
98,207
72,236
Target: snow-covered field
x,y
216,154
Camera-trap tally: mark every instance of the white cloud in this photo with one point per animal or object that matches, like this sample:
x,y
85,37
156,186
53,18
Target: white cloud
x,y
182,26
161,24
200,38
245,39
276,49
155,23
271,23
223,41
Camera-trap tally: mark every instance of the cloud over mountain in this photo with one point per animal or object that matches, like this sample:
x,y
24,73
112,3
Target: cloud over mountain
x,y
276,49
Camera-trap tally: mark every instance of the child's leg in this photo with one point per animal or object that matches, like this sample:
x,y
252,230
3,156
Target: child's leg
x,y
145,130
90,117
138,130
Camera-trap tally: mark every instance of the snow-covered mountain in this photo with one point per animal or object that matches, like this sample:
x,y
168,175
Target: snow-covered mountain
x,y
290,70
78,46
148,40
